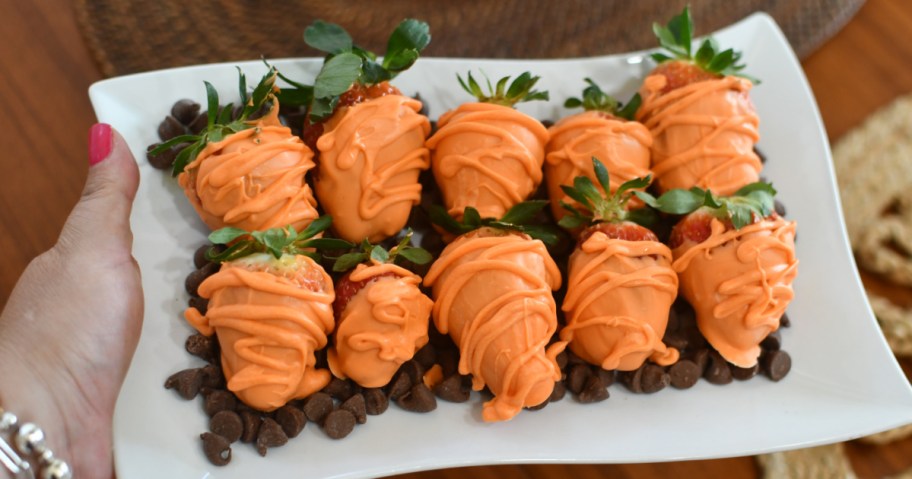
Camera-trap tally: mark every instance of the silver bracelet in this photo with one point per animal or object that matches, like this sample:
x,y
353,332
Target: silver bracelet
x,y
28,441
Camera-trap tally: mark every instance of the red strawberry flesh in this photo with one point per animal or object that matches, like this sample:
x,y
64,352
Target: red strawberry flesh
x,y
626,231
346,289
680,73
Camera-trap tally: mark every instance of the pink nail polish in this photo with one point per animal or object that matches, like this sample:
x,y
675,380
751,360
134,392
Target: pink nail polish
x,y
101,141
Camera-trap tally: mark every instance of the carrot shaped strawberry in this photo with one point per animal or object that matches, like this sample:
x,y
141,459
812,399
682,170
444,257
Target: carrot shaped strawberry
x,y
488,155
270,305
604,131
370,138
736,261
698,108
620,284
242,173
381,314
492,290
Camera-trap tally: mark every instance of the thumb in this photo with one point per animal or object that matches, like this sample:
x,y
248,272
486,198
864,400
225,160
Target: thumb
x,y
100,221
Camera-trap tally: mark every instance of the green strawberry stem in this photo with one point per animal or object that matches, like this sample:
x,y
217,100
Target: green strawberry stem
x,y
276,241
603,206
520,90
750,203
219,122
517,218
594,99
677,40
368,252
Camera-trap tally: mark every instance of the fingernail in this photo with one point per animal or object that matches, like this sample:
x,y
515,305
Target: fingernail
x,y
100,143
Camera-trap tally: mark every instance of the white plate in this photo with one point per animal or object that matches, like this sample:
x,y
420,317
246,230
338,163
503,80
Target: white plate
x,y
844,382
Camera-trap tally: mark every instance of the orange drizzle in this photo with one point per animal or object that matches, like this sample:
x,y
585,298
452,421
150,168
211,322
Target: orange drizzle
x,y
622,146
253,179
487,156
740,283
269,328
493,296
619,294
370,159
704,134
383,325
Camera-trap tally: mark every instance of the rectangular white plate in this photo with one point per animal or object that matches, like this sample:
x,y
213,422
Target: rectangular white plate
x,y
844,382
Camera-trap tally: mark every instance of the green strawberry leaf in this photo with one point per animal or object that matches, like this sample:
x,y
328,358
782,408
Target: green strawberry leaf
x,y
415,255
327,37
226,235
348,261
524,212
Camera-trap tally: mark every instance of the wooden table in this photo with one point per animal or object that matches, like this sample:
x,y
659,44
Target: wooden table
x,y
46,69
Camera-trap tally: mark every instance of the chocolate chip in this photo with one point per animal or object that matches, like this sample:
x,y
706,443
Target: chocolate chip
x,y
418,399
760,155
684,374
291,419
773,341
216,448
339,423
185,111
577,377
606,376
162,160
558,392
201,304
201,346
270,435
375,401
547,123
784,321
317,406
777,364
562,360
217,401
356,406
251,421
673,321
213,377
227,424
743,374
595,390
452,389
195,278
675,340
572,358
448,359
400,385
654,378
414,371
199,256
340,389
199,124
170,128
779,207
717,369
426,356
701,358
633,380
187,383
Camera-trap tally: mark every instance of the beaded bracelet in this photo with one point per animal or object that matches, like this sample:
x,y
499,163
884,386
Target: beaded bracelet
x,y
28,441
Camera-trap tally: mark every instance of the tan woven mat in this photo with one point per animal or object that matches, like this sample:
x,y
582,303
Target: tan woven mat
x,y
127,36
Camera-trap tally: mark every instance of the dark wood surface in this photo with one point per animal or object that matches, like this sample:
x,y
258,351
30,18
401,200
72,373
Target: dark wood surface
x,y
45,71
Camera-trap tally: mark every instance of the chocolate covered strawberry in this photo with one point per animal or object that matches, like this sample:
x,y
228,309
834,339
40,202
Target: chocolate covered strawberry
x,y
270,305
620,284
736,261
492,290
698,108
369,137
486,154
246,173
381,314
604,130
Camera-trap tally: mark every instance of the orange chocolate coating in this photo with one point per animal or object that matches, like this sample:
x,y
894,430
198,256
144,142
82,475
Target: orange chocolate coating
x,y
492,294
269,324
704,134
253,179
739,283
370,157
487,156
619,294
382,326
622,146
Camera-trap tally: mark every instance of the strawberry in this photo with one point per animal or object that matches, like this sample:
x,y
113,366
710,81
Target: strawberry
x,y
486,154
604,130
381,314
270,305
736,261
620,284
683,66
369,137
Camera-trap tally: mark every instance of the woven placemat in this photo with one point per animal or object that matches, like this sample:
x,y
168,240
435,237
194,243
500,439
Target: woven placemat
x,y
127,36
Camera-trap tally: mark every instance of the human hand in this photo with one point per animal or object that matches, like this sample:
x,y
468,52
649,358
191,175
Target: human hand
x,y
71,325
